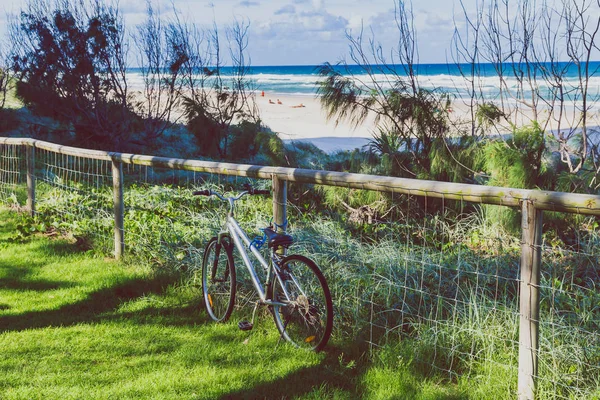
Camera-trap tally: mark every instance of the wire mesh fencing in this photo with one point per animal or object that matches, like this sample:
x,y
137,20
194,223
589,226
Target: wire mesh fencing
x,y
569,349
11,174
74,195
436,280
440,283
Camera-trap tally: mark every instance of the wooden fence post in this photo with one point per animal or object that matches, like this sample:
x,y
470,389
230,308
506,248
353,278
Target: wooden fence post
x,y
529,301
119,207
30,158
279,204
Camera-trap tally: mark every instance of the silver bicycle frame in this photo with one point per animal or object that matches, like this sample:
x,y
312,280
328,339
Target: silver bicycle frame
x,y
242,242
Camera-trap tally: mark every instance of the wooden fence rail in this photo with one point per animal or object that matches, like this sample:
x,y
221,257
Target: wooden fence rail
x,y
531,202
542,200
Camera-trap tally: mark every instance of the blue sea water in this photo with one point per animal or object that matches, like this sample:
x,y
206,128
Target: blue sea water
x,y
303,79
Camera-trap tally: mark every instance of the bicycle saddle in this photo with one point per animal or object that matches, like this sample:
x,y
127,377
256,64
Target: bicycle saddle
x,y
278,239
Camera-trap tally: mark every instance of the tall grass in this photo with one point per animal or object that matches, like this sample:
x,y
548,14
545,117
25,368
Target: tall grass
x,y
439,288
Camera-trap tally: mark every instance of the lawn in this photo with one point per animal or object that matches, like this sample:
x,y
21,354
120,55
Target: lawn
x,y
74,326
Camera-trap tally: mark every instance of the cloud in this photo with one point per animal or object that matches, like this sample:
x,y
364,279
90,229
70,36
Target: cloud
x,y
433,29
289,9
140,7
248,3
427,21
322,20
318,4
305,25
301,1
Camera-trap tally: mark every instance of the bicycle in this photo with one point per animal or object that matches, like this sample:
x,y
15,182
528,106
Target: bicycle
x,y
296,290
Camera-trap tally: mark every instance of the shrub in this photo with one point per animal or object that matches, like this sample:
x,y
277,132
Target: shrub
x,y
242,142
9,120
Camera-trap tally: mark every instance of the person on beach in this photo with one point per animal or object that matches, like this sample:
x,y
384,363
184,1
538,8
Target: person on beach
x,y
271,101
298,106
279,101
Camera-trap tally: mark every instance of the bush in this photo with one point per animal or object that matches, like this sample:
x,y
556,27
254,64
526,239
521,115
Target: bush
x,y
9,120
271,147
515,163
242,142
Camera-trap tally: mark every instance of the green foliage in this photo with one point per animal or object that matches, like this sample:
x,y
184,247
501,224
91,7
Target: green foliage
x,y
385,142
26,225
208,132
5,83
364,206
341,97
243,142
422,116
71,69
487,115
456,159
353,161
410,117
272,148
394,161
516,162
9,119
302,154
574,183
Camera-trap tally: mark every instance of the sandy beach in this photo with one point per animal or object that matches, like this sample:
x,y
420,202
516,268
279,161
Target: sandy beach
x,y
292,122
300,118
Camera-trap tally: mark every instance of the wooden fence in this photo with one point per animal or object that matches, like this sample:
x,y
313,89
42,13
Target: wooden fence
x,y
531,202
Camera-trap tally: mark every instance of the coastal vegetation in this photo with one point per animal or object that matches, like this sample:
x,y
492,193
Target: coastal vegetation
x,y
69,70
197,99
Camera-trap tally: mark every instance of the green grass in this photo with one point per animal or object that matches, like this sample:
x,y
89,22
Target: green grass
x,y
75,325
470,342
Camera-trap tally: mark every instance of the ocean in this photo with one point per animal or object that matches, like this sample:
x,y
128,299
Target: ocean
x,y
302,79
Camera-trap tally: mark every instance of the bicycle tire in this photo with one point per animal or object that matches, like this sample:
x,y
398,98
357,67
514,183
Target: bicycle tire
x,y
307,320
218,279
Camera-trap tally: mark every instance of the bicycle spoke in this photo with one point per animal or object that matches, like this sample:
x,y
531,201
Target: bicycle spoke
x,y
218,284
306,319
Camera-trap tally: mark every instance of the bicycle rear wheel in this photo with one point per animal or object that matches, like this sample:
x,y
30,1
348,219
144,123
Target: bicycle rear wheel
x,y
306,319
218,279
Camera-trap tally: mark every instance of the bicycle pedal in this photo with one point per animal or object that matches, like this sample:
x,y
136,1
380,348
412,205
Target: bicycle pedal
x,y
245,325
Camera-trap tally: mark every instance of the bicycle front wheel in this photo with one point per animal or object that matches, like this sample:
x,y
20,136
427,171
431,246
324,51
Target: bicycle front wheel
x,y
218,279
306,318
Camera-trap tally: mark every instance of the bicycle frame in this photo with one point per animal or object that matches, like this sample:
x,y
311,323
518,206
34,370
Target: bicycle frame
x,y
242,242
304,320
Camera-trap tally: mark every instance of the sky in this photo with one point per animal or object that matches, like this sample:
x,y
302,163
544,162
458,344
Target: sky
x,y
310,32
302,32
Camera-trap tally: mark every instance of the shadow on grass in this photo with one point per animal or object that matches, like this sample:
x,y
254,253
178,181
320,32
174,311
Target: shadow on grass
x,y
341,374
330,373
21,278
63,248
91,309
188,315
